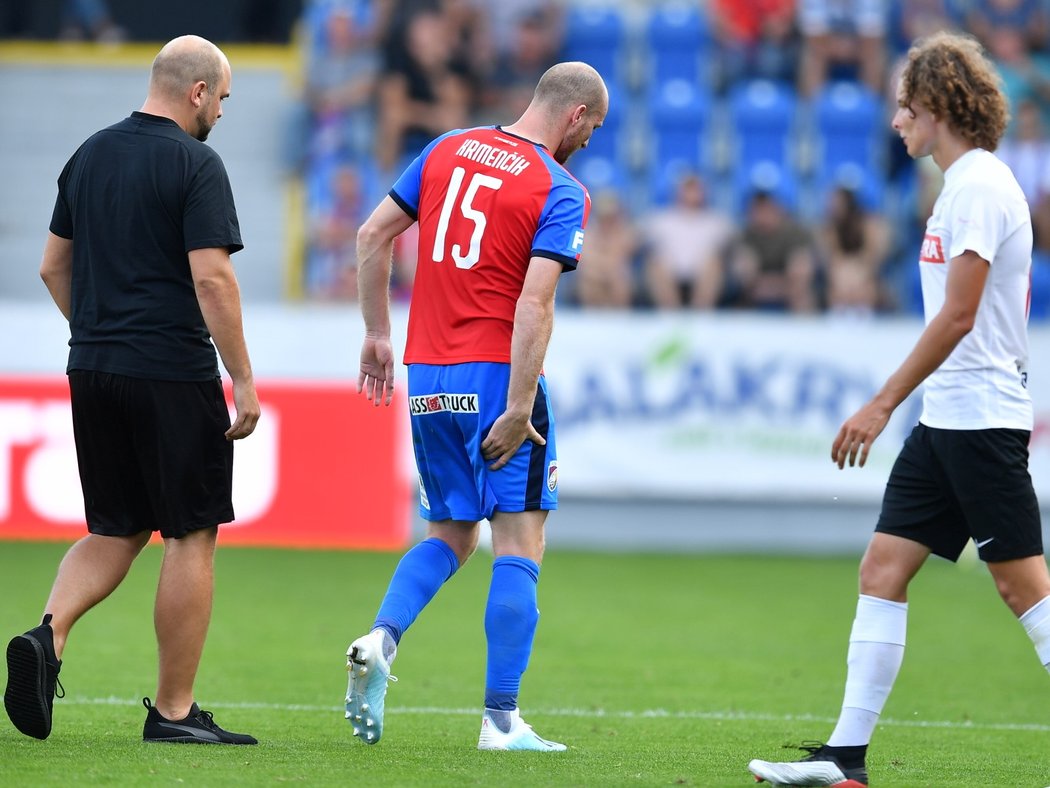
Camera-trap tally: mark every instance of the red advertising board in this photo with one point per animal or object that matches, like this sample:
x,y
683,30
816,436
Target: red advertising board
x,y
323,468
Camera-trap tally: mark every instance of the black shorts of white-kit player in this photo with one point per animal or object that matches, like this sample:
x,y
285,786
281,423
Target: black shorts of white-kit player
x,y
948,486
153,454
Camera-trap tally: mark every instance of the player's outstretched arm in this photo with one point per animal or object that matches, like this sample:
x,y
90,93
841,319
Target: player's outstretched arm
x,y
375,250
966,278
533,323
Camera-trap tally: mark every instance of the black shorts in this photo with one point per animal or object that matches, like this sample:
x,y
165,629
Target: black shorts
x,y
153,455
948,486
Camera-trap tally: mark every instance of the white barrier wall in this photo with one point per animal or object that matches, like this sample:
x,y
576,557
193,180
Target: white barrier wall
x,y
687,407
736,406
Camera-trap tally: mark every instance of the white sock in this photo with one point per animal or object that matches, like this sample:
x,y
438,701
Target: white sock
x,y
876,650
1036,623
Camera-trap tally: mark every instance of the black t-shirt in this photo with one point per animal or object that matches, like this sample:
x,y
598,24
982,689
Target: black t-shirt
x,y
135,199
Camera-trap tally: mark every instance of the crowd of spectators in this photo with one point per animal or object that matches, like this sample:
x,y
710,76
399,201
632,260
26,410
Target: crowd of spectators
x,y
383,77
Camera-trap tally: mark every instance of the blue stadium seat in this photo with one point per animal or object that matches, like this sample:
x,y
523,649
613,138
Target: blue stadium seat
x,y
595,34
678,121
677,41
598,172
849,122
762,117
766,175
1040,305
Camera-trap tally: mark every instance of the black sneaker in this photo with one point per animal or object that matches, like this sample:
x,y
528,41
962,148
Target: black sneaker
x,y
197,727
32,680
821,767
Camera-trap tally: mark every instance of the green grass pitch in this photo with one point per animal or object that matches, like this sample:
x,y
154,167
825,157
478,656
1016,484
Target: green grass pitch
x,y
655,670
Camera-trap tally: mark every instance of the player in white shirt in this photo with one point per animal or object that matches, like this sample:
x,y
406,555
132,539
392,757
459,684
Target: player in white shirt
x,y
963,472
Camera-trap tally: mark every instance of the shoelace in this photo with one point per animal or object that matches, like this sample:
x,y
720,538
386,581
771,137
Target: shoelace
x,y
58,689
206,718
813,748
350,667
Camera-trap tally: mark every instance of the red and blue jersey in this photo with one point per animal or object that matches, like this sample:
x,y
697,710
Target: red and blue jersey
x,y
486,202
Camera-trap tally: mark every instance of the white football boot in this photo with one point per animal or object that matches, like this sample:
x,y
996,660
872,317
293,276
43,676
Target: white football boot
x,y
366,691
519,737
819,768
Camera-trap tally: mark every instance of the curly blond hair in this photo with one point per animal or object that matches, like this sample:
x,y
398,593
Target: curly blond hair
x,y
949,74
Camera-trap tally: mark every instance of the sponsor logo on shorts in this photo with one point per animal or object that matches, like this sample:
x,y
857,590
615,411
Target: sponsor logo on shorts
x,y
442,403
552,476
423,495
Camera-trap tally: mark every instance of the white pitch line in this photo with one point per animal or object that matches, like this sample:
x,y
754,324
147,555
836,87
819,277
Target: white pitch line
x,y
718,716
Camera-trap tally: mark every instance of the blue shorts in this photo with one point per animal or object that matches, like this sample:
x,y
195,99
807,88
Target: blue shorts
x,y
452,409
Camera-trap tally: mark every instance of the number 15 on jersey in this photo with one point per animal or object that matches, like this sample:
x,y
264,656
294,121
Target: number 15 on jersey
x,y
466,208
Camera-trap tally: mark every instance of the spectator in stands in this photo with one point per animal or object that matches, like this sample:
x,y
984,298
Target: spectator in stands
x,y
473,52
842,39
1025,75
755,40
533,49
853,244
771,263
605,275
469,51
91,20
915,19
503,18
683,244
1026,150
331,258
423,95
984,18
337,113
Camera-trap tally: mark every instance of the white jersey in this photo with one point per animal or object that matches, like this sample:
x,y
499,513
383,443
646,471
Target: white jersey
x,y
982,384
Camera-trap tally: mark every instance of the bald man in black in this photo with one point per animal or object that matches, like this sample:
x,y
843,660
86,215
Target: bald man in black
x,y
138,261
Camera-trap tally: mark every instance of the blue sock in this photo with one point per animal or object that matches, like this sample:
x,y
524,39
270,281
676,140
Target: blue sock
x,y
419,575
510,624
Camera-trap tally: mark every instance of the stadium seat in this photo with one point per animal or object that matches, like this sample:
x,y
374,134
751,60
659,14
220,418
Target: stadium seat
x,y
762,117
595,34
1039,309
765,175
848,121
598,172
677,40
678,116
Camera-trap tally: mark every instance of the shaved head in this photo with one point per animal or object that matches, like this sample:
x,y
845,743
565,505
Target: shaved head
x,y
569,103
183,62
571,84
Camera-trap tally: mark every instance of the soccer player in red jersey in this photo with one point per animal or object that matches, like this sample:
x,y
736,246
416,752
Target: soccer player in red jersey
x,y
500,219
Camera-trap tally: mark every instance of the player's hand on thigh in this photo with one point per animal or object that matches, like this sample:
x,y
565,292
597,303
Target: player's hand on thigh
x,y
505,438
